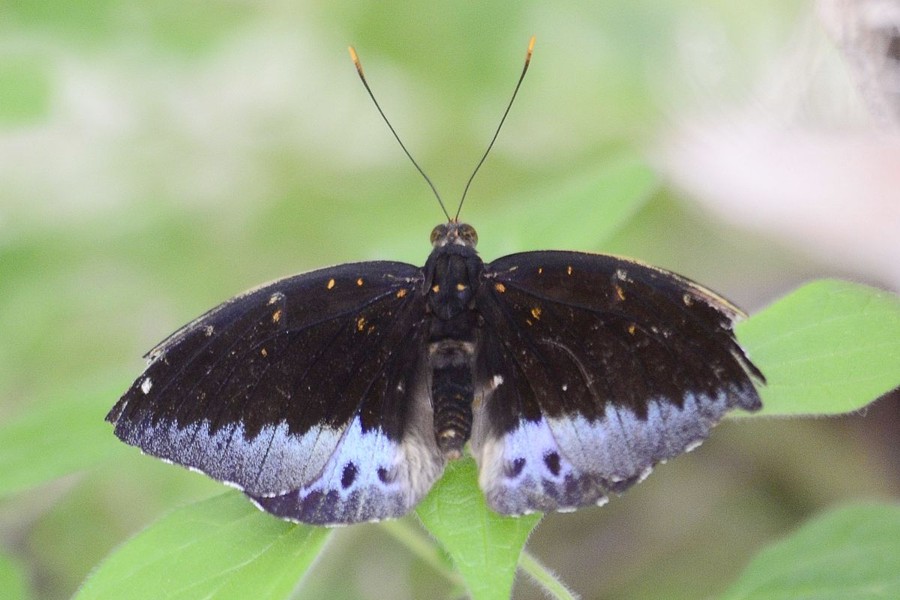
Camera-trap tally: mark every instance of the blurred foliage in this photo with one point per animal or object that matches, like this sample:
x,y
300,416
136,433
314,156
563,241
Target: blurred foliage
x,y
157,158
848,553
13,580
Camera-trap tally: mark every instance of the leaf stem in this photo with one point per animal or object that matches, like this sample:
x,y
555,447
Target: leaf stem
x,y
421,547
545,578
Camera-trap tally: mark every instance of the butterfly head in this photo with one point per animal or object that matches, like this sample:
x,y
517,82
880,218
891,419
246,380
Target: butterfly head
x,y
461,234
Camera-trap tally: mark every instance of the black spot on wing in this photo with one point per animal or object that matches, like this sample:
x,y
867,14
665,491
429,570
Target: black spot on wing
x,y
551,460
384,475
349,475
514,468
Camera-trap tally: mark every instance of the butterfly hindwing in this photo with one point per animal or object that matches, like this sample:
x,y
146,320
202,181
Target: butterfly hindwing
x,y
372,475
593,369
306,393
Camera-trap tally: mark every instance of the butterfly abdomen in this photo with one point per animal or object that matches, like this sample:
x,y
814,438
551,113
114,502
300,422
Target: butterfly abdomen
x,y
452,391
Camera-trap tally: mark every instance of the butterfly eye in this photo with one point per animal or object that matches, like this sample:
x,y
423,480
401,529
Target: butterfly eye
x,y
438,233
468,234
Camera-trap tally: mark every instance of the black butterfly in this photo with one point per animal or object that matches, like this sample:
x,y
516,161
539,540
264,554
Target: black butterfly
x,y
337,396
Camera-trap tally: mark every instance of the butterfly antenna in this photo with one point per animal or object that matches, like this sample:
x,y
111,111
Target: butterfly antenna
x,y
359,70
502,120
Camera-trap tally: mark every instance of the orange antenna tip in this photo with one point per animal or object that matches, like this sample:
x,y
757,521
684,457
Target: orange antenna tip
x,y
355,59
497,132
362,77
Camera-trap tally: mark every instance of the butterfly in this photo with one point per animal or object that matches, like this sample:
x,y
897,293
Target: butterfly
x,y
339,395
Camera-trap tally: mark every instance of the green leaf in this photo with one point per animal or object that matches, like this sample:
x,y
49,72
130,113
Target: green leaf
x,y
12,579
218,548
849,553
484,546
828,347
58,438
410,534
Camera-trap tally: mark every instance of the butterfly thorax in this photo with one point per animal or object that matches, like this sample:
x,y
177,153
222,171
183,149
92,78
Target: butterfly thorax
x,y
452,275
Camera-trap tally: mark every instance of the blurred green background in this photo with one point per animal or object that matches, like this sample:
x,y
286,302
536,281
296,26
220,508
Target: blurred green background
x,y
158,158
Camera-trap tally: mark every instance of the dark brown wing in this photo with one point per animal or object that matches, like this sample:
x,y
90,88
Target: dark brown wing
x,y
594,368
299,393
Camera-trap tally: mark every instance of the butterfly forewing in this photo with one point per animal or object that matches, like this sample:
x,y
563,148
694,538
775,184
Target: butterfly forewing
x,y
303,393
594,368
